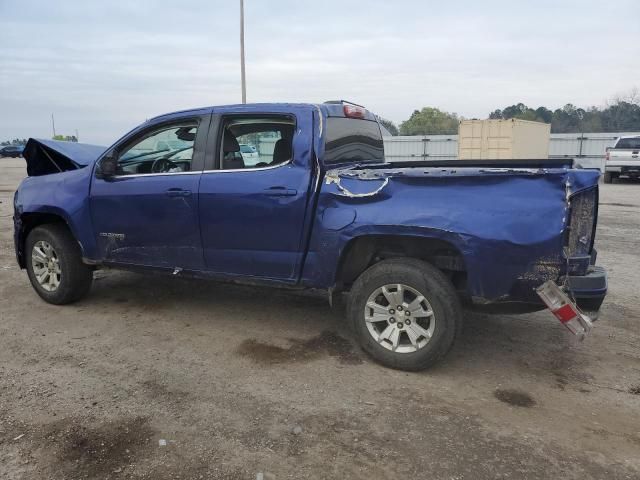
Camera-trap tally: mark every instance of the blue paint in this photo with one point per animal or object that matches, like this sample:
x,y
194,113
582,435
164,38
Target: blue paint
x,y
507,224
253,222
82,154
337,218
160,230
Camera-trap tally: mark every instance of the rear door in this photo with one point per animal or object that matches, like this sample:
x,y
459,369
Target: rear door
x,y
147,214
252,210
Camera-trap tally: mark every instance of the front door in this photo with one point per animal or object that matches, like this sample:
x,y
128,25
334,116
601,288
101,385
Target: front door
x,y
147,214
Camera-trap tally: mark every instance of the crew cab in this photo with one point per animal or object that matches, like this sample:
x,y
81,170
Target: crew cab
x,y
409,244
623,159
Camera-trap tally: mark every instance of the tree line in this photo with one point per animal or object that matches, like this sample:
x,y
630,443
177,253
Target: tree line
x,y
15,141
23,141
622,114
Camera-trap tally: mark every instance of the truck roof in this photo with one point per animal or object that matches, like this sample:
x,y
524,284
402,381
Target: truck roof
x,y
330,109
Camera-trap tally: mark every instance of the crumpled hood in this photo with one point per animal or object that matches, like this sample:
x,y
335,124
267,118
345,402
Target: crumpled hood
x,y
51,156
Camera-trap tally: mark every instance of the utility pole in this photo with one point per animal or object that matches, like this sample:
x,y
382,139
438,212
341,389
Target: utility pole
x,y
580,117
242,74
53,125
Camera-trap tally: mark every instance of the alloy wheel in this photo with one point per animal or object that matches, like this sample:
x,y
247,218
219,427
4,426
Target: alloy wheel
x,y
399,318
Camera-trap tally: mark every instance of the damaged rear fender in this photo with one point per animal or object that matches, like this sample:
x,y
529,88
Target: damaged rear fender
x,y
362,251
507,224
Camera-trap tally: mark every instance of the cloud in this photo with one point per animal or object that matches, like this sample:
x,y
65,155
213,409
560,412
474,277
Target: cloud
x,y
103,67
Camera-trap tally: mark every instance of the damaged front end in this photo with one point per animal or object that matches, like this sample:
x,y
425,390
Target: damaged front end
x,y
45,157
55,190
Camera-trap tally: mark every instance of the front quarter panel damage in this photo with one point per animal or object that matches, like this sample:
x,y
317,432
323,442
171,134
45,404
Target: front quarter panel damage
x,y
63,195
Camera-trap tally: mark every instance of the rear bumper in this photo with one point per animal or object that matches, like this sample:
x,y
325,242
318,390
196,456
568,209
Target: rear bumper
x,y
588,290
632,170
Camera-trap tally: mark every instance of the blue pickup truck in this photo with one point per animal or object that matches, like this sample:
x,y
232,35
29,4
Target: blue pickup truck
x,y
411,244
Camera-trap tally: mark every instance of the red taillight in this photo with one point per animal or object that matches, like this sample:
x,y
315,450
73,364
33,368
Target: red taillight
x,y
564,309
352,111
565,313
606,156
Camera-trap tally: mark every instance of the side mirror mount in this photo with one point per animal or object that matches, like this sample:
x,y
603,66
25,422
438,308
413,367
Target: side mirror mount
x,y
108,165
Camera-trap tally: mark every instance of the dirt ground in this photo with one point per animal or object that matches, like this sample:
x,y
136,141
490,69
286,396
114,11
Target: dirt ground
x,y
159,378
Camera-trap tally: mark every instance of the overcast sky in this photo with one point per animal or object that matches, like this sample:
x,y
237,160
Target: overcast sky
x,y
103,67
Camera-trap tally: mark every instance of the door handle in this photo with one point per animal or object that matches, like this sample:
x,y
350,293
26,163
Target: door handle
x,y
177,192
280,192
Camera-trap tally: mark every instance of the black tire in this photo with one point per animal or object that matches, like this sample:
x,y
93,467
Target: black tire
x,y
75,276
607,177
437,290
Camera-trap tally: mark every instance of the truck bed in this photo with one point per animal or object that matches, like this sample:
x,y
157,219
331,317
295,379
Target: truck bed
x,y
492,163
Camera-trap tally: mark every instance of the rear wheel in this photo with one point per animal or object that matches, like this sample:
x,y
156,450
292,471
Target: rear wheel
x,y
54,265
608,177
406,313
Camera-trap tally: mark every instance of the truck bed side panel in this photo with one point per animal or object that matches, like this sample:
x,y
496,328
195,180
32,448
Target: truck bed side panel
x,y
508,224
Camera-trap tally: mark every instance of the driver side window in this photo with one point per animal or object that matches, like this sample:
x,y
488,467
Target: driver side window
x,y
166,150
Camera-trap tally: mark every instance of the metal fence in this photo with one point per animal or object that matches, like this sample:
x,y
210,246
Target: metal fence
x,y
588,149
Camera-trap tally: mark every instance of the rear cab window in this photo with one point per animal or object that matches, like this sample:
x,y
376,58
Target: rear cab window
x,y
629,143
353,140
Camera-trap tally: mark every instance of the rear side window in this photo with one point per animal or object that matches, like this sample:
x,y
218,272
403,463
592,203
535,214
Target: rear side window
x,y
256,142
633,143
353,140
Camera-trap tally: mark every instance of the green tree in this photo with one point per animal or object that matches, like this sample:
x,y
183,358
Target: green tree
x,y
523,112
430,121
515,111
15,141
619,115
543,114
65,138
389,125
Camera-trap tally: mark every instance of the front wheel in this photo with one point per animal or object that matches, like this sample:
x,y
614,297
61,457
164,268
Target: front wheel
x,y
405,312
54,265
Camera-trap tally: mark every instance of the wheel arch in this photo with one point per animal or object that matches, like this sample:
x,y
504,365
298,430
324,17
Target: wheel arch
x,y
363,251
31,220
